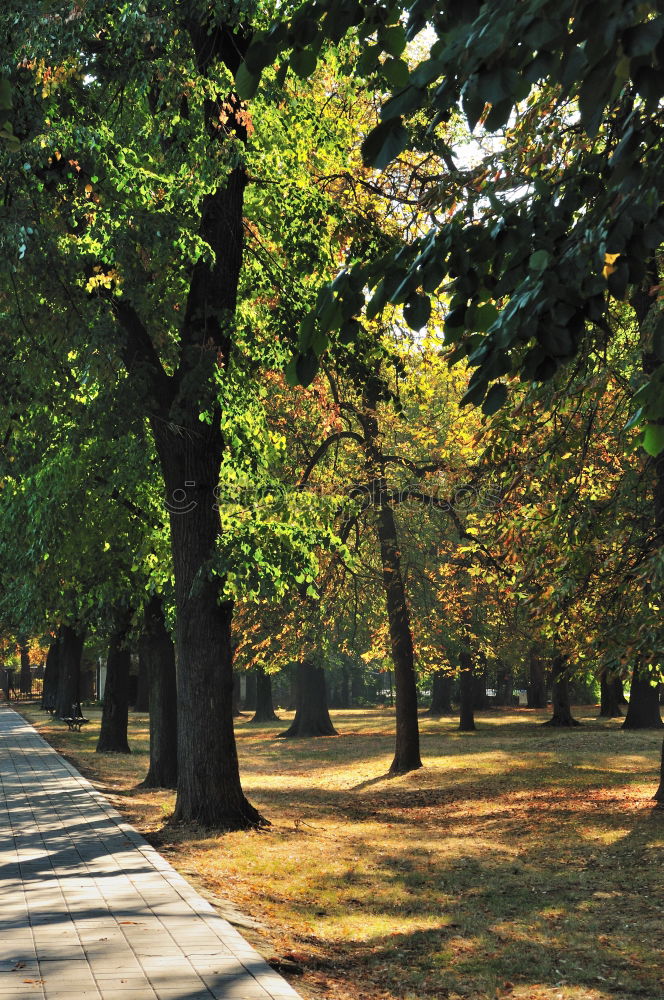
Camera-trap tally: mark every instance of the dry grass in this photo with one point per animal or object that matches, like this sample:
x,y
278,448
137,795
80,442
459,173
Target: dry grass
x,y
520,862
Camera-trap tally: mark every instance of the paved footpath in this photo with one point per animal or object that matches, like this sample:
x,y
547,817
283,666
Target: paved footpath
x,y
88,910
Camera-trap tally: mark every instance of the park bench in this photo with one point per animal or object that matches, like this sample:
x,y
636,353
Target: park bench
x,y
75,721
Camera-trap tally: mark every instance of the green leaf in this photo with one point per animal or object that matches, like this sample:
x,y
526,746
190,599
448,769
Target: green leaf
x,y
653,439
592,98
403,103
474,395
473,103
417,311
384,143
305,332
393,39
485,316
246,84
495,398
259,55
539,261
395,71
303,62
306,367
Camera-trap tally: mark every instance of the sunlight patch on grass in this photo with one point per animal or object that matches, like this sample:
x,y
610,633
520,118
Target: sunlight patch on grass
x,y
520,862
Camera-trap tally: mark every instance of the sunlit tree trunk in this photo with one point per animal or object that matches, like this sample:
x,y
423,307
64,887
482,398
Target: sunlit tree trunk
x,y
312,717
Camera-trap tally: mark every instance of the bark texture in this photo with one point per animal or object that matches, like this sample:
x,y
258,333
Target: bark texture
x,y
466,692
536,680
51,671
312,717
407,743
157,651
25,678
441,695
562,712
115,713
142,703
69,672
643,709
611,691
264,705
209,791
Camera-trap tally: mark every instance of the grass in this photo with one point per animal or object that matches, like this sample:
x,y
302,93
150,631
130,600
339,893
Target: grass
x,y
520,863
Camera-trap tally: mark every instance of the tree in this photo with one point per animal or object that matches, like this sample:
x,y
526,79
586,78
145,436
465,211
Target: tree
x,y
526,245
562,712
643,709
441,694
156,648
311,713
264,705
114,719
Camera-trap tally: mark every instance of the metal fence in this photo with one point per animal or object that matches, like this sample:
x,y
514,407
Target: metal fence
x,y
10,686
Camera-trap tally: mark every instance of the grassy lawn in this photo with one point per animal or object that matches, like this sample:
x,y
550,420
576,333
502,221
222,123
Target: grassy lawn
x,y
521,862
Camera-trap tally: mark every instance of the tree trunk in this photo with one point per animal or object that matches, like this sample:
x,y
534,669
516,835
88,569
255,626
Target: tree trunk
x,y
249,704
480,685
190,451
504,685
69,674
312,717
158,654
659,794
237,711
25,678
115,713
51,673
562,712
536,681
467,692
264,705
142,703
643,708
611,689
441,695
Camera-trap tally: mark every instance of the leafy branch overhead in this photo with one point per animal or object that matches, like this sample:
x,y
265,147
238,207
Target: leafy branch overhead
x,y
522,254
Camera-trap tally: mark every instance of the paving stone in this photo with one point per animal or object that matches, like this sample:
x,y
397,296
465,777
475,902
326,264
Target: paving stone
x,y
90,911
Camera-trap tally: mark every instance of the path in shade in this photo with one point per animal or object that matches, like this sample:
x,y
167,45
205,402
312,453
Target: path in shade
x,y
88,910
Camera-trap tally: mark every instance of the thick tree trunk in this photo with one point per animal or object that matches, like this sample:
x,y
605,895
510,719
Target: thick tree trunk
x,y
249,703
312,717
209,789
562,712
480,685
190,452
25,678
643,708
536,680
264,705
504,685
157,651
69,673
142,703
441,695
51,673
115,714
611,689
467,692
